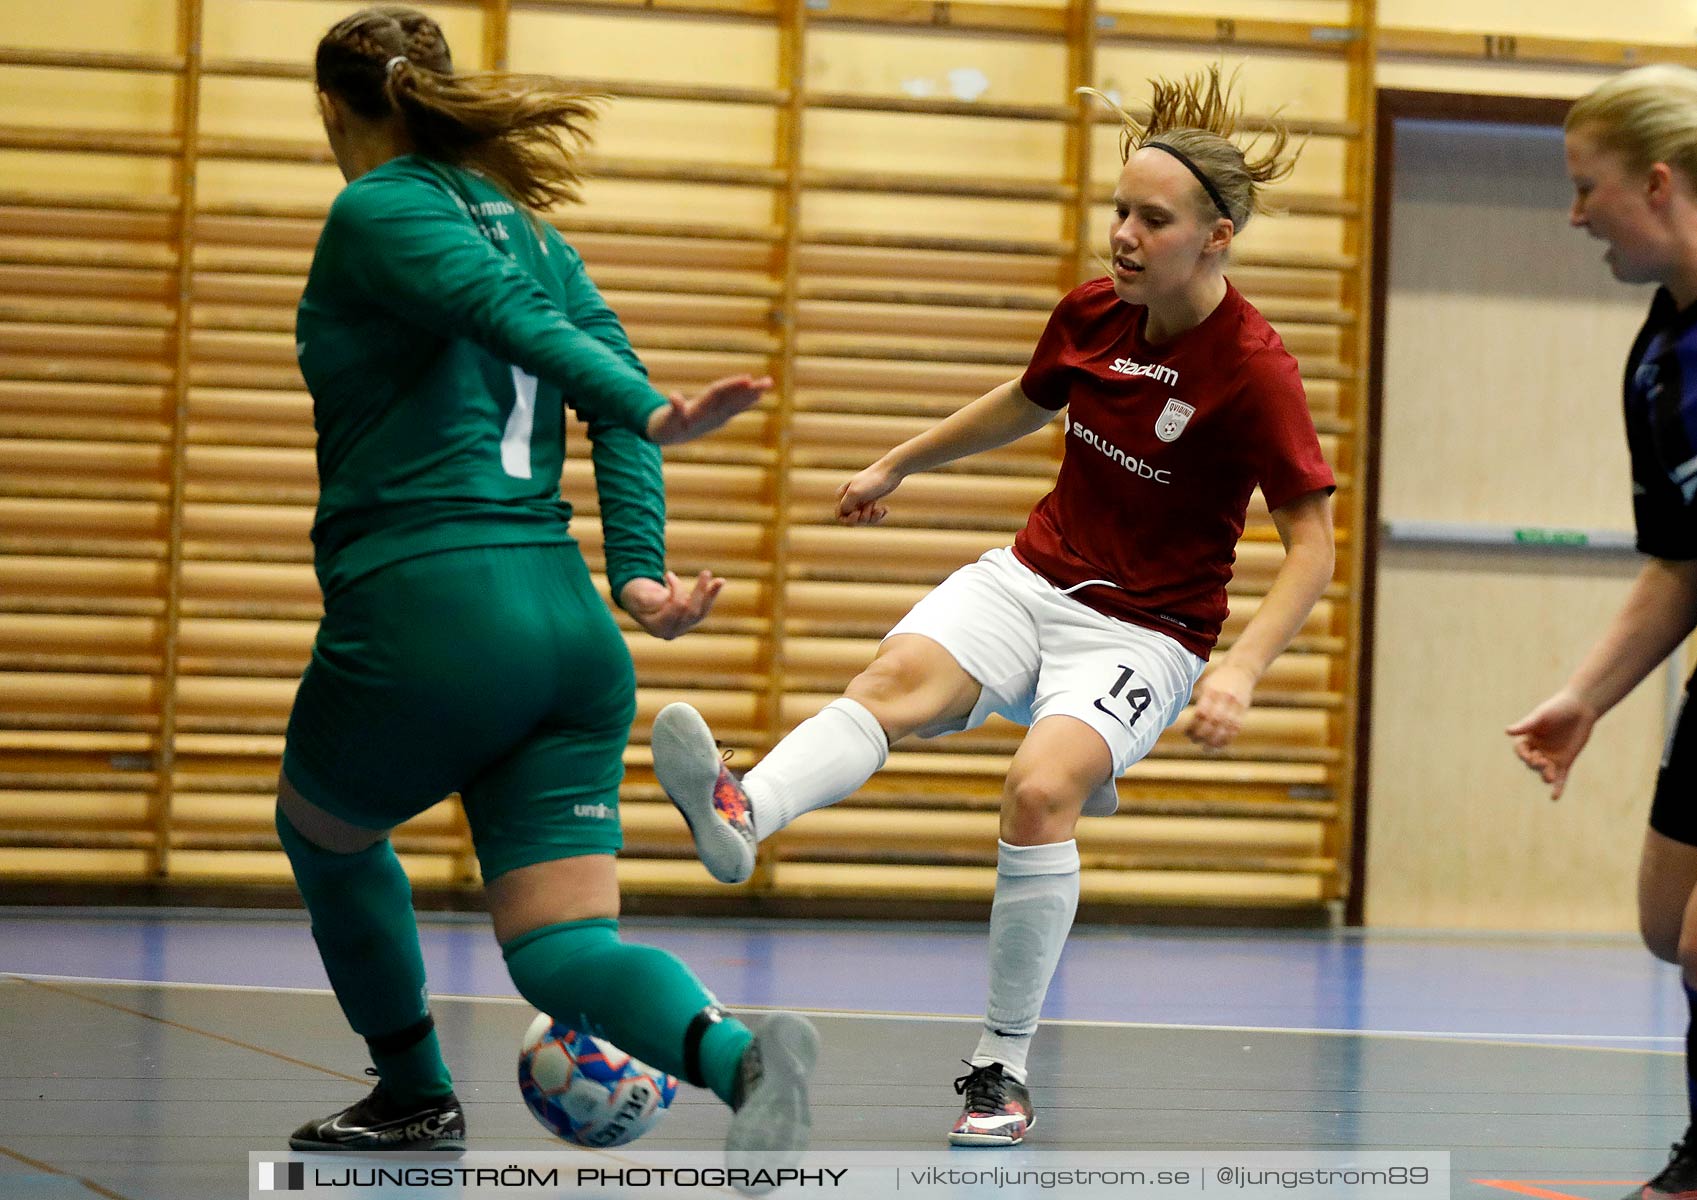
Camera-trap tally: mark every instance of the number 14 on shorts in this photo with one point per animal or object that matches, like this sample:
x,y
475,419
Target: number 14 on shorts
x,y
1127,702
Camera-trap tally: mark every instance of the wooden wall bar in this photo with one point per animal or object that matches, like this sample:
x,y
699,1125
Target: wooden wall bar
x,y
887,245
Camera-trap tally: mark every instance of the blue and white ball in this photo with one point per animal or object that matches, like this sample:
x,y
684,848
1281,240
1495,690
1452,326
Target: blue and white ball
x,y
586,1090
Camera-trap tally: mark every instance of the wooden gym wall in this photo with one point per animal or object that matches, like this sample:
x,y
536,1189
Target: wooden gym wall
x,y
1507,344
877,201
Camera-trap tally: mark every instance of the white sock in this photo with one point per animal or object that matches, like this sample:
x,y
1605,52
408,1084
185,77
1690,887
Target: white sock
x,y
1036,897
822,760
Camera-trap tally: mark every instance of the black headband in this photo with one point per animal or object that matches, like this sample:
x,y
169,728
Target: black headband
x,y
1207,184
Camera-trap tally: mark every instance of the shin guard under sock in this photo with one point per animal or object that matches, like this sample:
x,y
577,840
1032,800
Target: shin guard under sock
x,y
819,762
362,920
640,998
1036,897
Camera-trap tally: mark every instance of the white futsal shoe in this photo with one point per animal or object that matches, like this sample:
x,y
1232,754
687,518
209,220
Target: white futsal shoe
x,y
772,1123
696,780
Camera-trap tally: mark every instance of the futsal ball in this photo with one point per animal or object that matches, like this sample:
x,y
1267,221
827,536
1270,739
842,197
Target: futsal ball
x,y
585,1089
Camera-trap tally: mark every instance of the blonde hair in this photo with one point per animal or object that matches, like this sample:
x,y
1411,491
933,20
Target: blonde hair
x,y
1647,115
525,133
1197,115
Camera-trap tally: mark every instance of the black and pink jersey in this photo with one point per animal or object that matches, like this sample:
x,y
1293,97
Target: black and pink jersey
x,y
1661,430
1164,446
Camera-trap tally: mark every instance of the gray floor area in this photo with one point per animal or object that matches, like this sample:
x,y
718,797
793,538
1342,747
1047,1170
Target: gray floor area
x,y
159,1092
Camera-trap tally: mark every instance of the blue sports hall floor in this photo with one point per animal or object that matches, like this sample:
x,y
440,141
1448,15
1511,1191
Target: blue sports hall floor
x,y
145,1053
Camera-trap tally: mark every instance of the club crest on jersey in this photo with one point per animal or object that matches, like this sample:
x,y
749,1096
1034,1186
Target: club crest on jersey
x,y
1174,418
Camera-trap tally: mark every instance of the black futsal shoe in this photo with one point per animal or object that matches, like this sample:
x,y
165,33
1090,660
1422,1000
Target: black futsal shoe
x,y
998,1108
381,1123
1678,1180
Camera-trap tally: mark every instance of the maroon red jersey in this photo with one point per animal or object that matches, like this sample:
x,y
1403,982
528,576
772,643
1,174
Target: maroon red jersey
x,y
1164,445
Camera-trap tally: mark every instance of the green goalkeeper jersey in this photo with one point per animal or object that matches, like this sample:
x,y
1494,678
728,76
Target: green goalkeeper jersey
x,y
440,333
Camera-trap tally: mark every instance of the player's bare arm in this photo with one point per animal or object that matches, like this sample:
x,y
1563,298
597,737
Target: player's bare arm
x,y
998,417
1223,696
1659,613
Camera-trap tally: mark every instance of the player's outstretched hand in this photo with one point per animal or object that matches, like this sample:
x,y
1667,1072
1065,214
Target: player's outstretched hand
x,y
857,500
1222,699
1550,737
685,418
664,609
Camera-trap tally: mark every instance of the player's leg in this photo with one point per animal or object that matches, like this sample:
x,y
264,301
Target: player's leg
x,y
1059,763
944,667
1667,917
360,903
421,673
546,825
1104,693
912,682
370,743
557,922
558,927
545,820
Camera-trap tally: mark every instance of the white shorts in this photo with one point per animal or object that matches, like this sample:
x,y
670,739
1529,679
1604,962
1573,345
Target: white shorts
x,y
1039,653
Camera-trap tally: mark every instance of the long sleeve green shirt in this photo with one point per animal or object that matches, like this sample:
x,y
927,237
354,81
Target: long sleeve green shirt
x,y
440,333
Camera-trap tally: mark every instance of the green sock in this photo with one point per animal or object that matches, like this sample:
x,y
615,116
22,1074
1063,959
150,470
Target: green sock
x,y
412,1071
362,920
640,998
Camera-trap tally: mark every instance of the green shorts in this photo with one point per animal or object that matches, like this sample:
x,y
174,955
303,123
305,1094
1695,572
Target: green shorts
x,y
496,672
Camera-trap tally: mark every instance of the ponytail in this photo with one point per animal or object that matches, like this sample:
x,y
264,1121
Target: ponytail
x,y
1195,118
525,133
